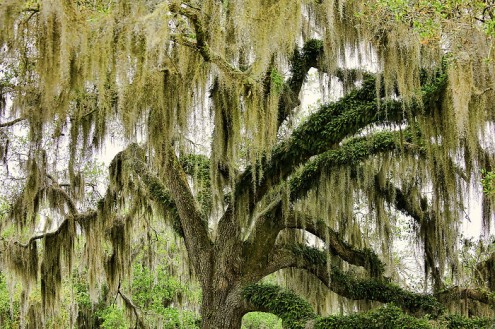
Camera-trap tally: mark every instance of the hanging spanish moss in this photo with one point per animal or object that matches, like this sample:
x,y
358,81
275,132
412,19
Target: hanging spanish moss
x,y
246,192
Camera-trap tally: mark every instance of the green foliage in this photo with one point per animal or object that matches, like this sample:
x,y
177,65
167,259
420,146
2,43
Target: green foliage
x,y
155,292
488,181
277,80
113,317
82,293
314,255
386,317
260,320
175,319
455,321
428,18
9,313
302,60
292,309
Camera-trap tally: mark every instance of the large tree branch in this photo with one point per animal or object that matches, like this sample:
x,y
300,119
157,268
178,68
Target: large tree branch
x,y
350,153
294,311
365,258
130,305
79,218
326,128
486,270
347,285
271,221
455,294
198,243
301,62
263,240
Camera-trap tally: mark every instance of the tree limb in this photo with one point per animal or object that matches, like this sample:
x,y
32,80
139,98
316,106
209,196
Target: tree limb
x,y
76,217
326,128
422,216
264,239
457,293
198,243
129,304
11,123
365,258
347,285
350,153
202,47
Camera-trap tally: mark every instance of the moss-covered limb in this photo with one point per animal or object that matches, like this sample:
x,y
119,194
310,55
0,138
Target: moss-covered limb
x,y
78,218
327,127
134,309
294,311
386,317
366,258
268,225
322,131
457,293
391,317
134,157
11,123
314,261
300,63
202,47
198,243
416,206
350,153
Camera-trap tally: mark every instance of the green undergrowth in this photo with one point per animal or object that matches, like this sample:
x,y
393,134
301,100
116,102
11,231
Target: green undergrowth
x,y
292,309
386,317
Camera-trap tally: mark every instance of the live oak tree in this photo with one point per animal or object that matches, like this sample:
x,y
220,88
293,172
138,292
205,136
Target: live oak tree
x,y
316,202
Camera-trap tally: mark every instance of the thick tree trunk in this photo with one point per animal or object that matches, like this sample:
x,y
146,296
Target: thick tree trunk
x,y
222,308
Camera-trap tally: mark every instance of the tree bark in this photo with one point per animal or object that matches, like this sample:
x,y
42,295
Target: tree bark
x,y
222,307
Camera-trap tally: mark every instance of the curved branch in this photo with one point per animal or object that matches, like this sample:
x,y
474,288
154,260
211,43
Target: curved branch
x,y
422,216
347,285
79,218
325,129
365,258
350,153
301,62
271,221
486,271
172,192
11,123
294,311
264,239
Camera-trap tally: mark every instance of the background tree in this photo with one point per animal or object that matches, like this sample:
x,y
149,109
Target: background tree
x,y
317,201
